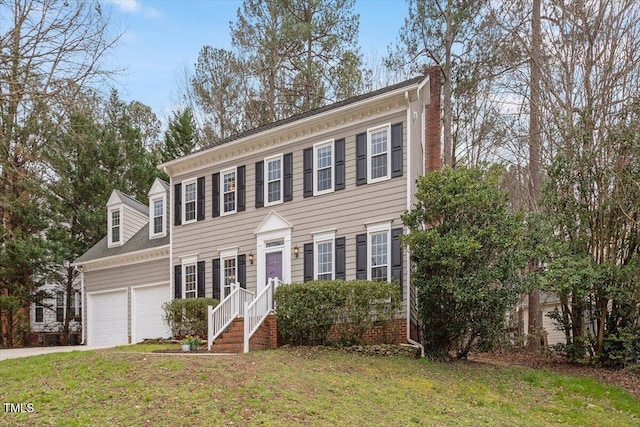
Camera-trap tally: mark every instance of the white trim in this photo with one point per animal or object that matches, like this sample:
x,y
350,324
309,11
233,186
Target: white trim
x,y
229,253
272,222
374,229
171,222
266,179
316,147
324,237
223,172
89,310
183,206
135,257
134,338
386,127
110,211
152,200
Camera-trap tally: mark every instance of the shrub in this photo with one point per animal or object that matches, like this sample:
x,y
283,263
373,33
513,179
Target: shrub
x,y
188,316
307,312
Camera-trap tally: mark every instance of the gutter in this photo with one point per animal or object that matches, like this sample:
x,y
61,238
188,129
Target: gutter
x,y
411,342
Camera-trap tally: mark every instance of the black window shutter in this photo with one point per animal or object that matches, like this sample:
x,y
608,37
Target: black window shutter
x,y
307,164
361,158
339,164
177,282
200,189
396,257
177,204
216,278
341,259
396,150
259,184
308,262
287,185
242,271
361,256
200,279
242,192
215,194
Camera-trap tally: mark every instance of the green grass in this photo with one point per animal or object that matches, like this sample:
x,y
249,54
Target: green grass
x,y
128,386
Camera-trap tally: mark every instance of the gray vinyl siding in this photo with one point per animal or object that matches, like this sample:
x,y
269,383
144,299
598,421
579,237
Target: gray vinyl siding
x,y
132,223
345,210
127,276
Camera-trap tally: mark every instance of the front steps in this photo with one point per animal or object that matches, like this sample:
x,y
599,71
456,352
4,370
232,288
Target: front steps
x,y
231,341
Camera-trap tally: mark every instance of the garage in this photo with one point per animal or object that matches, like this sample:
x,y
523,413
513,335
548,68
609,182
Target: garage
x,y
147,313
107,313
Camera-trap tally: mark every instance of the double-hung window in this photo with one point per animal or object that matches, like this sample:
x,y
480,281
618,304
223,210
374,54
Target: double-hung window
x,y
115,227
60,307
323,168
228,191
273,178
325,260
158,216
190,280
39,310
378,153
229,274
189,201
379,250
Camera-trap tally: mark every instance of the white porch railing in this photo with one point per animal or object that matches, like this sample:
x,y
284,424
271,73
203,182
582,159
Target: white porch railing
x,y
220,317
257,310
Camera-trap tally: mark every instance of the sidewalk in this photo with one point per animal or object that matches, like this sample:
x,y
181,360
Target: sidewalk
x,y
13,353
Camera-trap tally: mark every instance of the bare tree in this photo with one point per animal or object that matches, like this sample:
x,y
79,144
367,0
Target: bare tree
x,y
46,45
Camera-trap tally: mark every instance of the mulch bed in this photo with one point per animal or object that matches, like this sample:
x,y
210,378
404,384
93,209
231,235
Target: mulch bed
x,y
624,379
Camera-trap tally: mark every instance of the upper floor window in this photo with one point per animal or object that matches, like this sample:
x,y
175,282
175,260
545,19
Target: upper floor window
x,y
273,178
158,216
379,153
323,168
228,191
115,227
189,201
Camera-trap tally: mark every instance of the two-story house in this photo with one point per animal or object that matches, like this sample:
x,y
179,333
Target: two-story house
x,y
316,196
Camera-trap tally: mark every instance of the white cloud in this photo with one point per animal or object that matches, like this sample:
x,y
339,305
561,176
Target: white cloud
x,y
136,6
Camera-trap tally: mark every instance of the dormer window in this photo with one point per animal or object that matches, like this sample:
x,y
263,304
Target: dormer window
x,y
115,227
158,216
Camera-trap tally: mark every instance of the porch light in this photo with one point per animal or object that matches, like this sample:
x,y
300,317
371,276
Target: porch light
x,y
296,251
251,258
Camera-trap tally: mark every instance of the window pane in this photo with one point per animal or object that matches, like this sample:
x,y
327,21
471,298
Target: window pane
x,y
324,179
323,155
273,170
274,191
157,208
378,166
157,225
190,202
379,142
115,234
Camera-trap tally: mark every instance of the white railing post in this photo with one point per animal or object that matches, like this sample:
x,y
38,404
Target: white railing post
x,y
247,318
210,327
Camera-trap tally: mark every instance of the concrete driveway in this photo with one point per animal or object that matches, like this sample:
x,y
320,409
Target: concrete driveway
x,y
14,353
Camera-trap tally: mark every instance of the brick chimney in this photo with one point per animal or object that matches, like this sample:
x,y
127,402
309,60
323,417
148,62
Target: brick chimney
x,y
433,124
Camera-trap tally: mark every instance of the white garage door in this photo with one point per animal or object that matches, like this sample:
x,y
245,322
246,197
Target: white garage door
x,y
147,312
107,314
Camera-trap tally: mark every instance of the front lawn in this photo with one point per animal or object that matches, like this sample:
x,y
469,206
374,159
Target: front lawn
x,y
298,387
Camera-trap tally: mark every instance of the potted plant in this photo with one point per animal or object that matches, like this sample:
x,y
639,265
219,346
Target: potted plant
x,y
190,343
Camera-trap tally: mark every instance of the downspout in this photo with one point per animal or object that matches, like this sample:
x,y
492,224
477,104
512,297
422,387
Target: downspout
x,y
411,342
168,209
80,268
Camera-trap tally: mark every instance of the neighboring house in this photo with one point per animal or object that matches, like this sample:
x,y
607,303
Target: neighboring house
x,y
47,315
316,196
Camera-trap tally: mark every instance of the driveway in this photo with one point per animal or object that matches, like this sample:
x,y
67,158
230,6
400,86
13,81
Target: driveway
x,y
14,353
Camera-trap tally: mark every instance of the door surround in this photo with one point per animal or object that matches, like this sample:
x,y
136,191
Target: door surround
x,y
273,228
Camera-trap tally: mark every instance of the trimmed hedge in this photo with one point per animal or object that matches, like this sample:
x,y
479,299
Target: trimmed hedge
x,y
336,311
188,316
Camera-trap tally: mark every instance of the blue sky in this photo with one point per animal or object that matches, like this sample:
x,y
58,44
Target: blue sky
x,y
162,37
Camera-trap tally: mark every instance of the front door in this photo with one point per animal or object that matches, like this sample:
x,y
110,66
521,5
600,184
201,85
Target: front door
x,y
273,265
